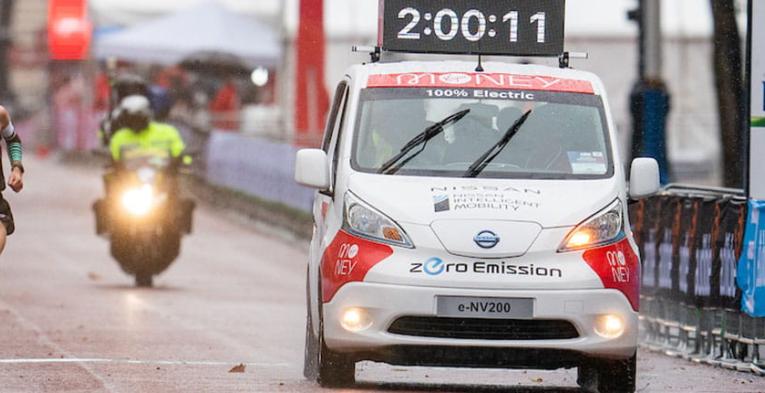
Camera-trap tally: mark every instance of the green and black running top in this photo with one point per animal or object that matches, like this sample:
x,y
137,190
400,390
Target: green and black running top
x,y
15,151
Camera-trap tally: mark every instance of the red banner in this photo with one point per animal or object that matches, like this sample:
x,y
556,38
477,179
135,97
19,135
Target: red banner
x,y
69,30
481,81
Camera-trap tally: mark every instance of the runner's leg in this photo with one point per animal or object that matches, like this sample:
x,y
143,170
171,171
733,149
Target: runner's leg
x,y
2,238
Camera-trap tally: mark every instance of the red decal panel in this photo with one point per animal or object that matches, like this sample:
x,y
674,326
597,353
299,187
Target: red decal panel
x,y
618,267
481,81
349,259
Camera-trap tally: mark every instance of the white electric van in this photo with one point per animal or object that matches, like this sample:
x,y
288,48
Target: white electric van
x,y
474,219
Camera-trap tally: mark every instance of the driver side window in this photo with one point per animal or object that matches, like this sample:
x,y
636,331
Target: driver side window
x,y
332,120
333,134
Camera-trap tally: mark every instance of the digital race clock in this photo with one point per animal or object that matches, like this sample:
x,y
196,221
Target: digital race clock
x,y
489,27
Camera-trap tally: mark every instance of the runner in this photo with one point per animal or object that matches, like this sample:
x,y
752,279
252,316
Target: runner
x,y
16,180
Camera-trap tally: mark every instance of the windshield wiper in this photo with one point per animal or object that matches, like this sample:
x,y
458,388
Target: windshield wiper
x,y
397,162
477,167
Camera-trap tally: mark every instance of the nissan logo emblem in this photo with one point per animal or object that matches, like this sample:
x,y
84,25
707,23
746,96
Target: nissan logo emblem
x,y
486,239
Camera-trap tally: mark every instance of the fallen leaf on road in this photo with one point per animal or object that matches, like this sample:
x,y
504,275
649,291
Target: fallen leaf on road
x,y
537,380
238,368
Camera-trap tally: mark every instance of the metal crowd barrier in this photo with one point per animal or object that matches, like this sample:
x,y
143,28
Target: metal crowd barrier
x,y
691,240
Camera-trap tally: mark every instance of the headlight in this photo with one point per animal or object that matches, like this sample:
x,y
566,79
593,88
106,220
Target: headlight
x,y
363,220
139,201
605,227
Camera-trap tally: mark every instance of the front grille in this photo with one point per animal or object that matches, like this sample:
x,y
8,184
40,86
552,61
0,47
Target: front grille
x,y
484,329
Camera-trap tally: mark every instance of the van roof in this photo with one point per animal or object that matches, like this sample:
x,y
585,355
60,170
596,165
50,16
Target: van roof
x,y
452,74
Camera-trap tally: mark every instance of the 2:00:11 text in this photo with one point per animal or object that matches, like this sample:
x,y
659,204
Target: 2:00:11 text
x,y
454,25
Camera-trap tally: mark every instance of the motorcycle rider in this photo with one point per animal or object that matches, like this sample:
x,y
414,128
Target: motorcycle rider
x,y
147,246
16,179
141,133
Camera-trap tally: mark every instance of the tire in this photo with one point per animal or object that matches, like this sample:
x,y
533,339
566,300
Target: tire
x,y
143,280
609,376
335,370
168,252
310,354
322,365
587,378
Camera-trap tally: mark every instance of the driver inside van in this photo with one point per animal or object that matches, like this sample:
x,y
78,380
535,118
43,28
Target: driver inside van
x,y
389,133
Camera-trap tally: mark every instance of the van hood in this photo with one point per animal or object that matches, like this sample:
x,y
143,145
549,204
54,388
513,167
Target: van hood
x,y
434,201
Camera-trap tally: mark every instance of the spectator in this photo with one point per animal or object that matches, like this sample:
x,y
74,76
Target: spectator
x,y
225,106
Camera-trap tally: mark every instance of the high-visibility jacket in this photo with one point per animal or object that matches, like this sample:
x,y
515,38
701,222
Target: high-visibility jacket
x,y
157,137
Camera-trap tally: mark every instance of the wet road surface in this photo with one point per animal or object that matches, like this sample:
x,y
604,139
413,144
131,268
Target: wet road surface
x,y
72,322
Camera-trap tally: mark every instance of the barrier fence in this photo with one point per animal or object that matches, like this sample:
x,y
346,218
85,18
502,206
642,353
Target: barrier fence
x,y
694,277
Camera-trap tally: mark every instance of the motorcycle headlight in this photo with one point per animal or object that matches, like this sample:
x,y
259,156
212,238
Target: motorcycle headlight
x,y
604,228
139,201
365,221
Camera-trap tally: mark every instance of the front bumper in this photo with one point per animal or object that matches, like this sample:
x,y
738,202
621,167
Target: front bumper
x,y
386,303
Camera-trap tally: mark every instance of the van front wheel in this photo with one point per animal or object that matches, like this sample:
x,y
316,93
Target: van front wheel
x,y
330,369
605,375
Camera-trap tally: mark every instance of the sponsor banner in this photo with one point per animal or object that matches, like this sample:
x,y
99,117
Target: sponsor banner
x,y
684,260
669,234
704,251
757,99
728,249
480,81
751,268
691,249
649,225
349,259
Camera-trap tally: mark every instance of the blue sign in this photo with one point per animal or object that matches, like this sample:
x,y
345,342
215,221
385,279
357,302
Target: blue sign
x,y
751,267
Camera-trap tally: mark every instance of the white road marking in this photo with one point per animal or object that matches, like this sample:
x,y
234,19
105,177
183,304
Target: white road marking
x,y
139,362
44,340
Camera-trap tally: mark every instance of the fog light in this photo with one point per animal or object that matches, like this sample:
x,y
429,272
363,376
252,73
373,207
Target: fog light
x,y
609,326
355,320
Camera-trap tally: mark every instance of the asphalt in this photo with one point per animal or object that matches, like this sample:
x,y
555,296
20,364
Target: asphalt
x,y
70,320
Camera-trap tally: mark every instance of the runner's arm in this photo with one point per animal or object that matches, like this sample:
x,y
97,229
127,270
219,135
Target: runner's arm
x,y
15,148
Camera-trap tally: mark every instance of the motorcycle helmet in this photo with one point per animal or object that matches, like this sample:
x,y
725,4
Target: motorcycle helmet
x,y
135,113
127,85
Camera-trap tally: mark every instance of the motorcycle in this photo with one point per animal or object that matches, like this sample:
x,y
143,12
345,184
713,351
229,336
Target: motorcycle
x,y
143,215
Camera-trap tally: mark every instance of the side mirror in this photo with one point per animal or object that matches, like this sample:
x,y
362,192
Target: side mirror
x,y
644,178
312,168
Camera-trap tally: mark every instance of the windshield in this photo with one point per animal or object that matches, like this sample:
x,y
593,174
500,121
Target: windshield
x,y
134,157
564,137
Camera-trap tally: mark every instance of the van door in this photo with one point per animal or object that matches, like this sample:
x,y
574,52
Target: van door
x,y
323,203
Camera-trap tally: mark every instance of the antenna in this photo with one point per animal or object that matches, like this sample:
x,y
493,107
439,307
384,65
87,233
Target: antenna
x,y
479,68
374,51
565,57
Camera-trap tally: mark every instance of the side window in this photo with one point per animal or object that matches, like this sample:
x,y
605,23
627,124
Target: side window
x,y
336,140
332,119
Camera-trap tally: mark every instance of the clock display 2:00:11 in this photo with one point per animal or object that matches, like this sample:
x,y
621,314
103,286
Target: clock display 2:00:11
x,y
458,24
